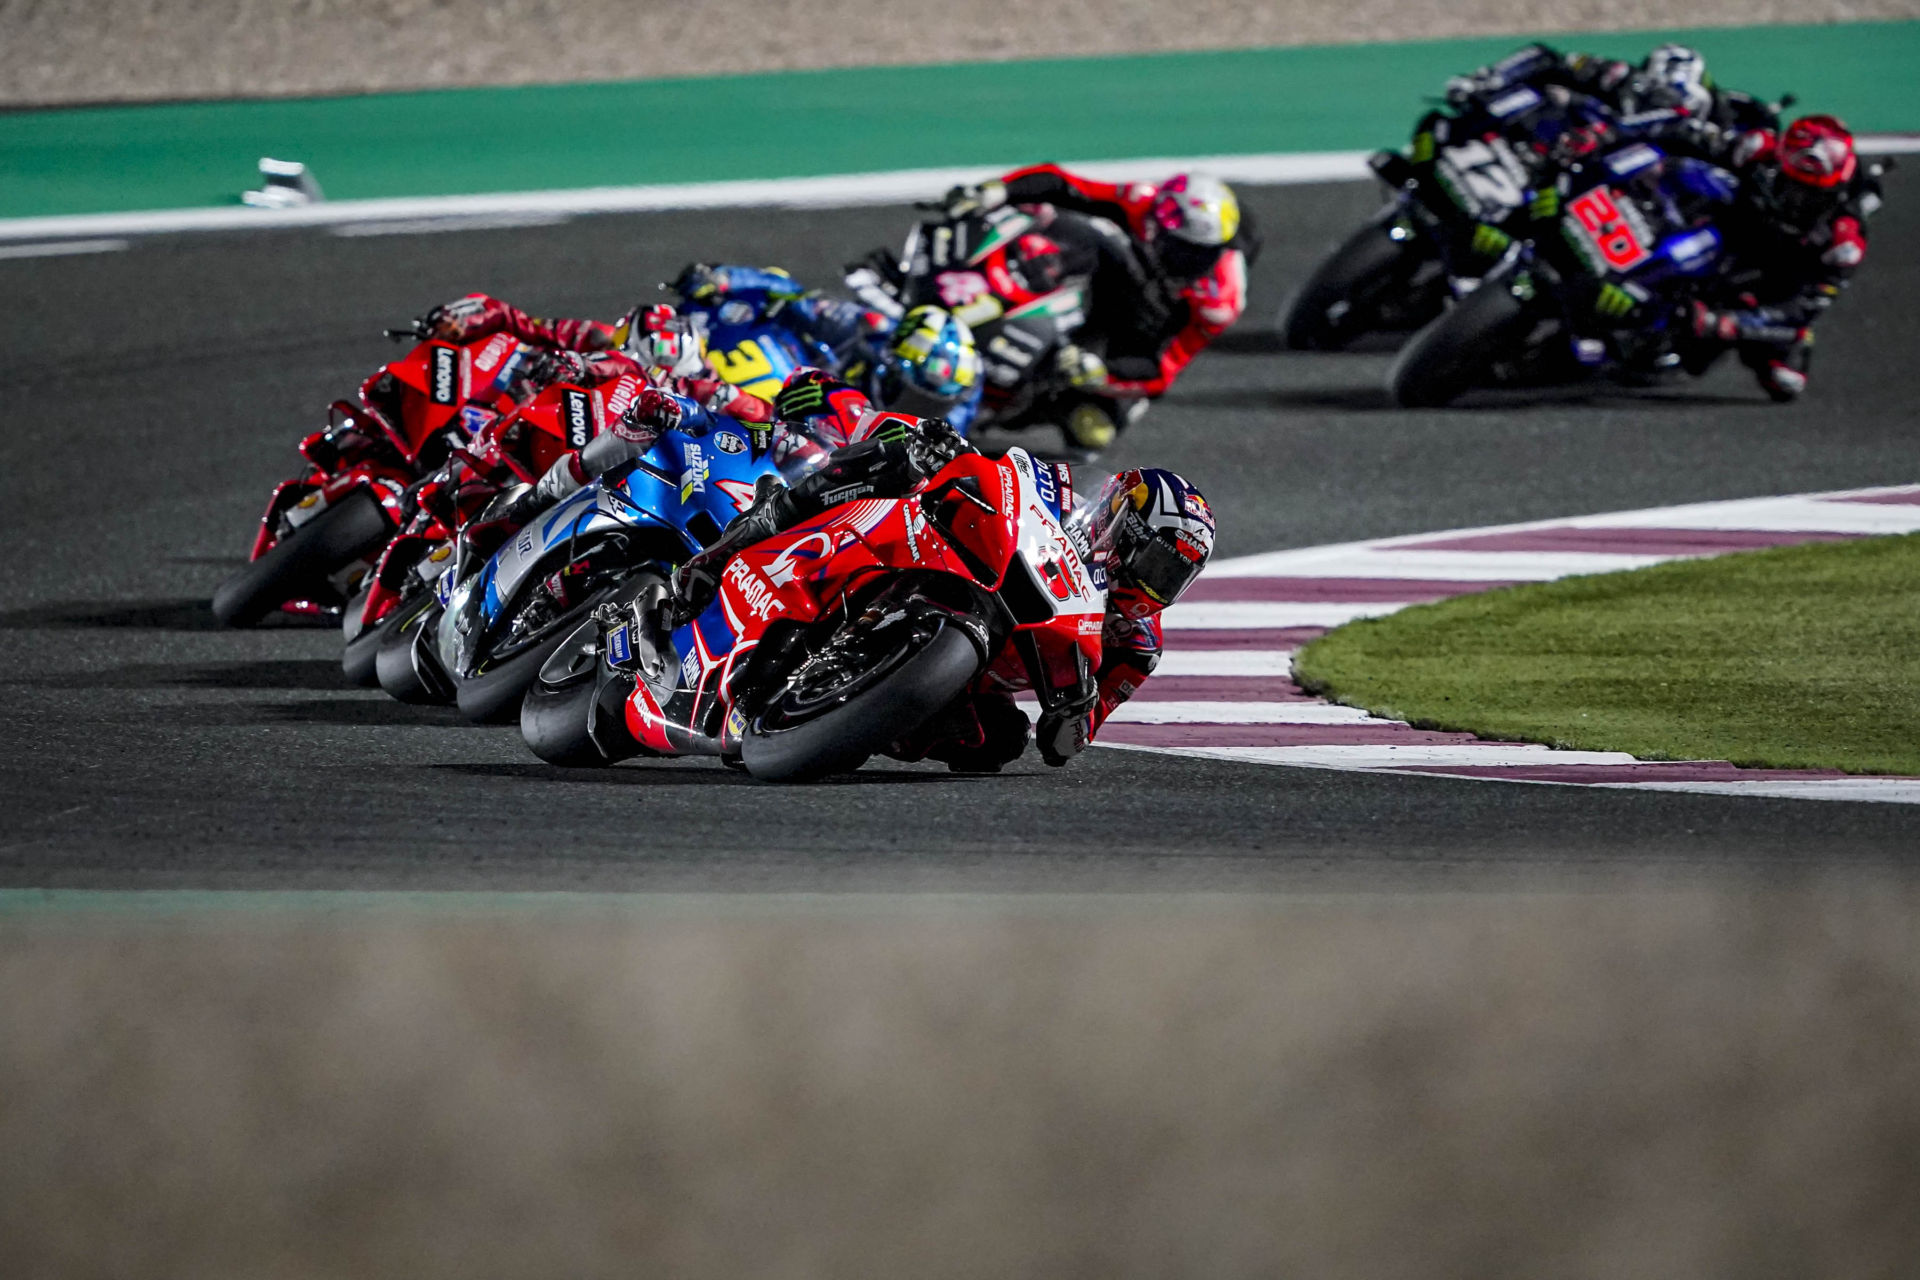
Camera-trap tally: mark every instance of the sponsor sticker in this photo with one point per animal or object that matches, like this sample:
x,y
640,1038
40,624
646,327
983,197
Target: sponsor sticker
x,y
620,645
727,442
444,385
694,478
578,412
736,312
755,592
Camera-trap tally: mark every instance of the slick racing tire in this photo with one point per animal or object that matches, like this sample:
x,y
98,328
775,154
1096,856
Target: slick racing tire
x,y
798,739
1340,300
404,662
363,643
1445,359
556,714
298,566
493,696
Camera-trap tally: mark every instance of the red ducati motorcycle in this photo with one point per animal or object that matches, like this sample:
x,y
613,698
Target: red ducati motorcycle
x,y
844,636
514,450
321,528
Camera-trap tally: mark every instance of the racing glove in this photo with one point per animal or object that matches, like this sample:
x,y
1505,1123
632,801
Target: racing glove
x,y
963,200
698,281
549,367
1080,367
462,318
651,412
697,582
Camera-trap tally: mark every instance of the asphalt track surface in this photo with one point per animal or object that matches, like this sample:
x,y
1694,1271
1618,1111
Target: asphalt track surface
x,y
152,397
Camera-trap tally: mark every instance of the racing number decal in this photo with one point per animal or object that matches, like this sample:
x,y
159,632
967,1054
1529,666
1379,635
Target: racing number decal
x,y
746,366
1610,231
1487,176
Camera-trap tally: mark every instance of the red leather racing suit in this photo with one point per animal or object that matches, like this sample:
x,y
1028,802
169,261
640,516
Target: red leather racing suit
x,y
1200,305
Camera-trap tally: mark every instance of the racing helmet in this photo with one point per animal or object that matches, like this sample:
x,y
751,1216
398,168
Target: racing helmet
x,y
1196,208
1814,169
1677,77
666,343
931,364
1154,533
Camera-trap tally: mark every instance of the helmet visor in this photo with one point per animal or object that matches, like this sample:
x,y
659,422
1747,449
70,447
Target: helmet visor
x,y
1163,570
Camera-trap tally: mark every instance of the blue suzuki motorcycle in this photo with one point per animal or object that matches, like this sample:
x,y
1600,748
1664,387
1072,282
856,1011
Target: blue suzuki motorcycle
x,y
504,606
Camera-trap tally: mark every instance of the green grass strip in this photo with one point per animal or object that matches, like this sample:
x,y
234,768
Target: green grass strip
x,y
807,123
1800,657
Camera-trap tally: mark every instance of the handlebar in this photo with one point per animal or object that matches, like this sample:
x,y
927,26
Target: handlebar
x,y
413,330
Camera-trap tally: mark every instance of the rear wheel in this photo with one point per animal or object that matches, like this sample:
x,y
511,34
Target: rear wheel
x,y
839,707
1342,299
1445,359
301,565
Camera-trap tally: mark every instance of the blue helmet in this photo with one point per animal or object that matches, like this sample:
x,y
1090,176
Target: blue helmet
x,y
931,364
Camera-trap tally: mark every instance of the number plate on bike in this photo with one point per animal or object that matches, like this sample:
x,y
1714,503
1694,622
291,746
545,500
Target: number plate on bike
x,y
1609,233
1486,179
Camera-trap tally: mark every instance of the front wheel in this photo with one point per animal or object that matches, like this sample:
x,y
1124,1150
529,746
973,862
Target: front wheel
x,y
1342,299
405,663
1445,359
833,713
301,565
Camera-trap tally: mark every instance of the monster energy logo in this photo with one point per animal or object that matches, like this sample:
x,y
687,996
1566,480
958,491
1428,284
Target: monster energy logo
x,y
798,402
1613,301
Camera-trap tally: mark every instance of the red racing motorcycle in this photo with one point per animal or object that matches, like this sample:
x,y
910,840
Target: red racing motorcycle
x,y
846,635
321,528
401,589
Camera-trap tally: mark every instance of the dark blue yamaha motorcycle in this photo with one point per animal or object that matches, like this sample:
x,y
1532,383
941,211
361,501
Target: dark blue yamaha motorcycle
x,y
1616,249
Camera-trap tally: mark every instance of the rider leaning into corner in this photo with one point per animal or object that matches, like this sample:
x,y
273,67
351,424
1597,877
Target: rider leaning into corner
x,y
1150,531
1797,226
1154,308
924,365
1796,233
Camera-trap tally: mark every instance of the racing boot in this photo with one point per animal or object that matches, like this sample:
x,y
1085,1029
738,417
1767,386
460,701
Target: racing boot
x,y
696,582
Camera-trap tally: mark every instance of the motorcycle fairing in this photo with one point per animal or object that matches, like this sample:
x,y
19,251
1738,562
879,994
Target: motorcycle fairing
x,y
993,522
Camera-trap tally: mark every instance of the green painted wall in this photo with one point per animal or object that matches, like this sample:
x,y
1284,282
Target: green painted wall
x,y
447,142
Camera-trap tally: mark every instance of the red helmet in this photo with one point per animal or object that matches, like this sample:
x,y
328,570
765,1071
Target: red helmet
x,y
1817,151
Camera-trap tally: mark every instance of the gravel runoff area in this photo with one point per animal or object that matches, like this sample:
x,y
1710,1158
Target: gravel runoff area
x,y
64,51
1660,1083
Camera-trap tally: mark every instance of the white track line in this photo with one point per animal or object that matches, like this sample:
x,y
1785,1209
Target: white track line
x,y
845,190
61,248
1226,662
1242,616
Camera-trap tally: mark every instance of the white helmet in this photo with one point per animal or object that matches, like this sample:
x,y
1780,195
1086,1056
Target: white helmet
x,y
1196,208
1679,74
663,340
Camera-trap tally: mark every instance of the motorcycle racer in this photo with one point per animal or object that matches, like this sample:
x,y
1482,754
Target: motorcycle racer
x,y
1150,532
924,365
1670,97
1797,233
1193,244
